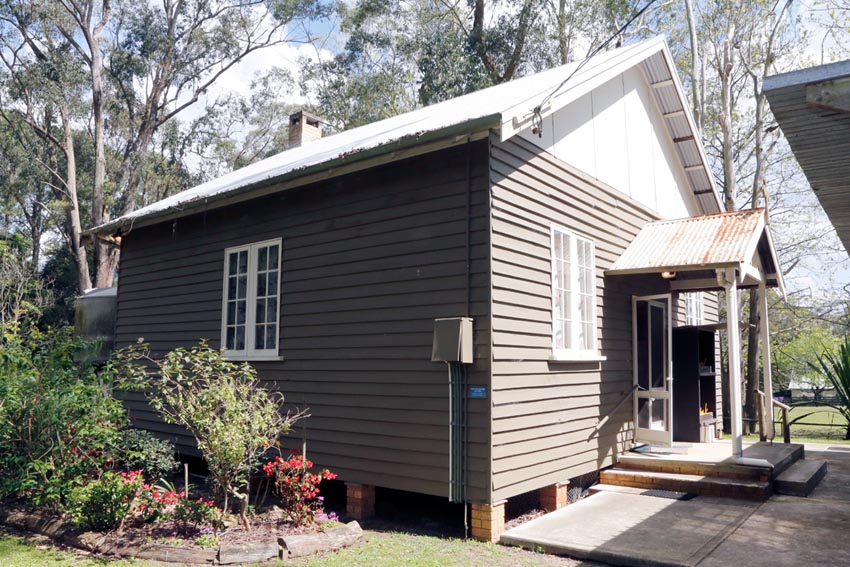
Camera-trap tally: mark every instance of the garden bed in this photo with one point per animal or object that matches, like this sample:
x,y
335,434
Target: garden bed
x,y
269,539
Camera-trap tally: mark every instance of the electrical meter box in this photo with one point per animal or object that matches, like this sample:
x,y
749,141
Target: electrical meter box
x,y
452,340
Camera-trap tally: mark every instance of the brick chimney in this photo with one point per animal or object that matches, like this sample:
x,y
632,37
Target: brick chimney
x,y
303,128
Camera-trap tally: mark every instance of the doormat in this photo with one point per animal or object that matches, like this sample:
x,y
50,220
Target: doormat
x,y
671,494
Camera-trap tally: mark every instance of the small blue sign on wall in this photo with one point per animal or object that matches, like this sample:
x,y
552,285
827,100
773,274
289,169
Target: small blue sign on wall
x,y
478,392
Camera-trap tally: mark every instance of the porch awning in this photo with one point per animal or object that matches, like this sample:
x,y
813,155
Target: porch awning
x,y
691,250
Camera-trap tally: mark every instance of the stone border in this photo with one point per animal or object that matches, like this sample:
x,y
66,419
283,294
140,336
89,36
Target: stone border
x,y
288,546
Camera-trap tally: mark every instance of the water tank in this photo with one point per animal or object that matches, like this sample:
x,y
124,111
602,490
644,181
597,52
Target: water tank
x,y
94,319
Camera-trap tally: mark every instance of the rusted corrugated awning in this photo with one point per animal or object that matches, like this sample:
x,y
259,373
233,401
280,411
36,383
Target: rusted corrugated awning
x,y
709,242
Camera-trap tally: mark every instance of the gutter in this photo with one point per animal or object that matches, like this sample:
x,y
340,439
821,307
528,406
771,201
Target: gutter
x,y
464,130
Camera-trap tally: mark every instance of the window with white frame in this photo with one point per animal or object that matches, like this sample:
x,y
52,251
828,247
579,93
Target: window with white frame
x,y
573,295
251,303
693,308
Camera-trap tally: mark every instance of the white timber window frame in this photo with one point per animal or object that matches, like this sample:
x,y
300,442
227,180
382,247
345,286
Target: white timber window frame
x,y
250,310
694,308
574,329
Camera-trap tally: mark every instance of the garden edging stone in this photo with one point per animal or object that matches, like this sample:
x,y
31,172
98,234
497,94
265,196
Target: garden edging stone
x,y
288,546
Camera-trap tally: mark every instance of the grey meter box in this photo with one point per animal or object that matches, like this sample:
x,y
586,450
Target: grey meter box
x,y
452,340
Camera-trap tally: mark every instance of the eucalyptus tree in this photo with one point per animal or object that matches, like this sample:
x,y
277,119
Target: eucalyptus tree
x,y
400,54
113,74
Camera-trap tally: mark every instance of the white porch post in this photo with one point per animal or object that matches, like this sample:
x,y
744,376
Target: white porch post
x,y
765,360
733,338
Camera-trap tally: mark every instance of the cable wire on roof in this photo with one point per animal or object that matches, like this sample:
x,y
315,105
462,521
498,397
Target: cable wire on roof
x,y
537,118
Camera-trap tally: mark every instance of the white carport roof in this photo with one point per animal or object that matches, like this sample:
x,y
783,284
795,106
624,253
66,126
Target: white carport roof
x,y
505,109
812,107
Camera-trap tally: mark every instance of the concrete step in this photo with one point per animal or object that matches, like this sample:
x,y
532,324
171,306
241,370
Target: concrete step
x,y
699,468
698,484
780,454
800,478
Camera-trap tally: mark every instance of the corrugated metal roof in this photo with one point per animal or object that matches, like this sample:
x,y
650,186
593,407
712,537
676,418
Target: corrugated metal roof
x,y
699,243
819,137
505,108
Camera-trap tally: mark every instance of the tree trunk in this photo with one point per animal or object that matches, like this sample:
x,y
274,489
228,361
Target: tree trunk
x,y
103,257
73,206
696,75
563,45
726,122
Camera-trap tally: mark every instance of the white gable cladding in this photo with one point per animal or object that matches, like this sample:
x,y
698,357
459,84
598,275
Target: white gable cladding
x,y
617,134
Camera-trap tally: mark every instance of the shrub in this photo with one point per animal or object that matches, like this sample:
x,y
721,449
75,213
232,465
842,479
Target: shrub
x,y
834,365
297,487
142,450
104,502
58,420
222,404
163,503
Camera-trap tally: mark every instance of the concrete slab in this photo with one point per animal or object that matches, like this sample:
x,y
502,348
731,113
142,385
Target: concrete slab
x,y
788,531
836,484
628,529
632,529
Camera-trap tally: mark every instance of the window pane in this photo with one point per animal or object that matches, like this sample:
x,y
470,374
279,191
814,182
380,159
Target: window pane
x,y
261,285
271,337
231,288
558,242
240,312
243,262
272,287
261,311
242,287
231,264
231,334
273,257
259,336
240,338
231,313
271,310
262,259
587,336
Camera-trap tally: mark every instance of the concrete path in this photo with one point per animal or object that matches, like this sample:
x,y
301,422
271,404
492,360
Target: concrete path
x,y
632,529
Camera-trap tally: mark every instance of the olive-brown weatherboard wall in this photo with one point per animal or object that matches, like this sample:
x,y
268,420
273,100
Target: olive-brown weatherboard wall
x,y
544,412
370,259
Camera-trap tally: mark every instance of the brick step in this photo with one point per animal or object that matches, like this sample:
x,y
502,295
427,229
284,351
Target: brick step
x,y
800,478
602,487
698,484
698,468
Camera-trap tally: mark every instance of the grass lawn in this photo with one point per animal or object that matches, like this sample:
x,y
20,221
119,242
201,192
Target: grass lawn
x,y
379,549
817,425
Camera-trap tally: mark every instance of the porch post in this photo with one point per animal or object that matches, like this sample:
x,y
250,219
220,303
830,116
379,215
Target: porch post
x,y
733,339
765,360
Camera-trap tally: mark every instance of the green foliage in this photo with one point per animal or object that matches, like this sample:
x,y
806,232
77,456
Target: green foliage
x,y
207,541
102,503
142,450
834,365
22,294
222,404
58,420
